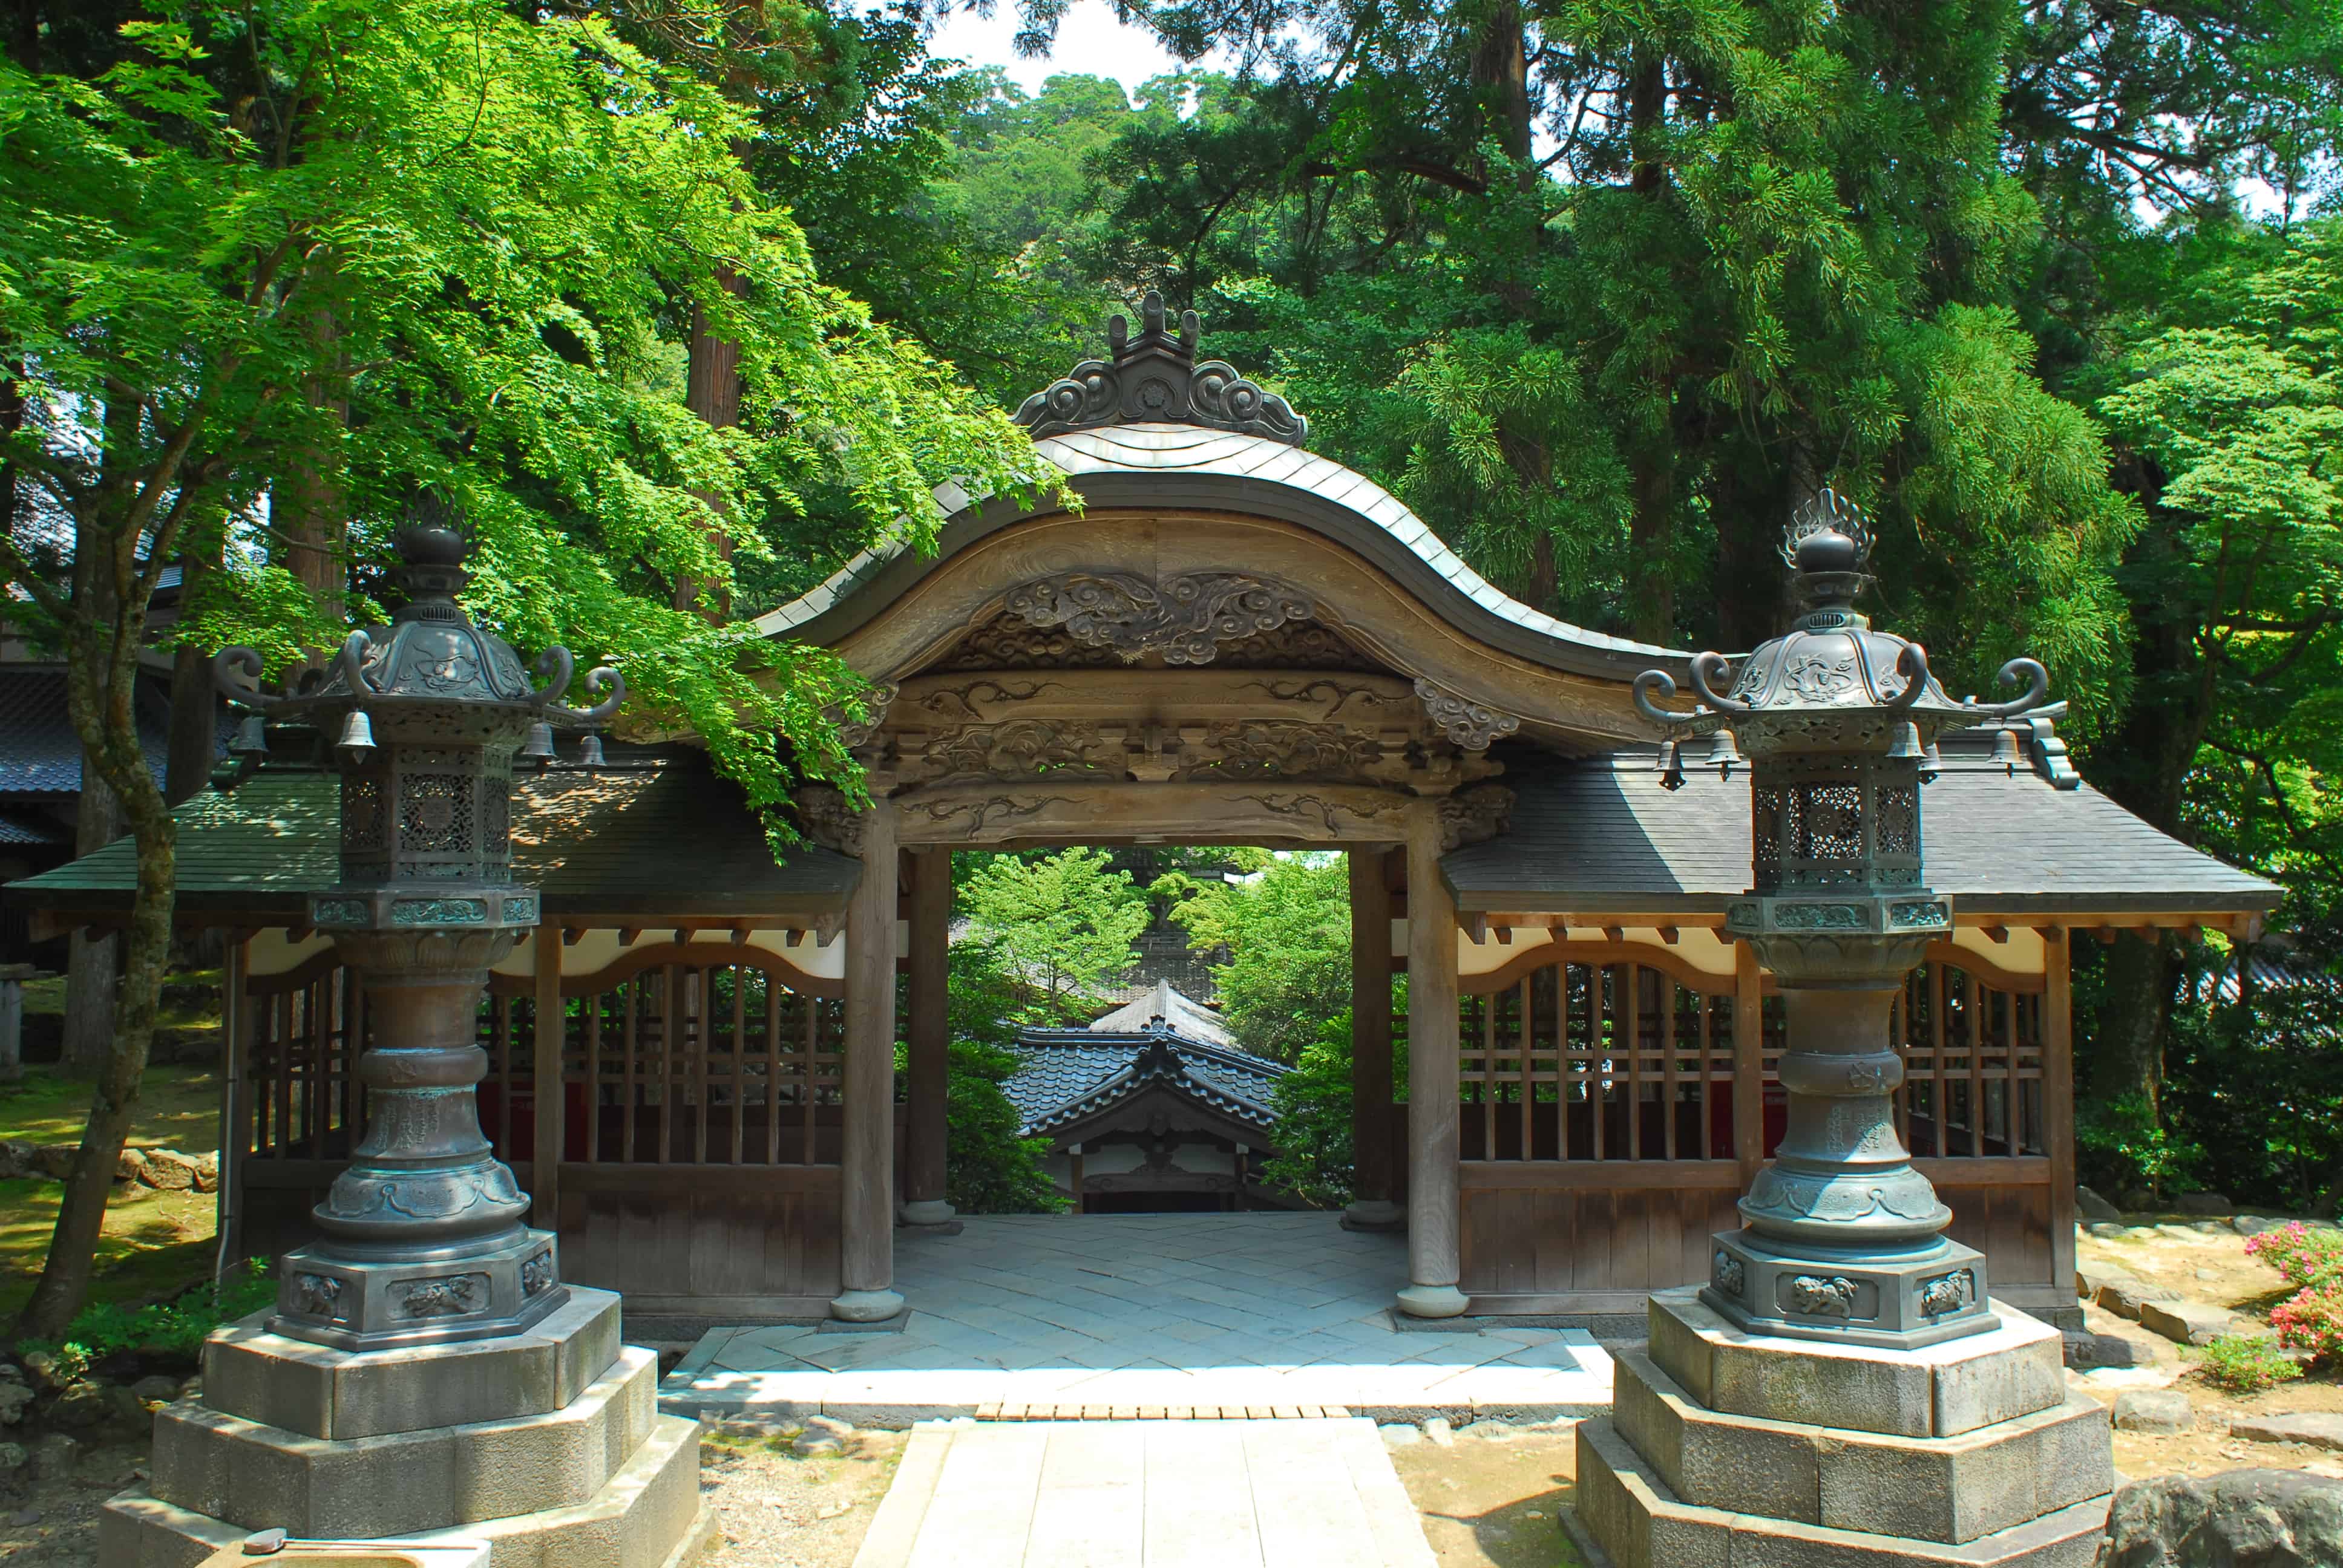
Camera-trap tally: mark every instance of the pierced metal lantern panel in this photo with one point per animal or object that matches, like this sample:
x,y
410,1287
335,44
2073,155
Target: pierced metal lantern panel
x,y
1823,824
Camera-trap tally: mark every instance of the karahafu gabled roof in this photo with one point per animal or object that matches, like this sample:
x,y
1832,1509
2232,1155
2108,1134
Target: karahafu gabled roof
x,y
1070,1075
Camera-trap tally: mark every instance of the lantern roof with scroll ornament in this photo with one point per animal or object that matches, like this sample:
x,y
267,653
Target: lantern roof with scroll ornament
x,y
430,654
1833,682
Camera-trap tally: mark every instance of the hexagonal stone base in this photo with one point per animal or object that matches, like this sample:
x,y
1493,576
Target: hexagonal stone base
x,y
407,1483
323,1392
1938,1391
1948,1488
647,1515
1628,1517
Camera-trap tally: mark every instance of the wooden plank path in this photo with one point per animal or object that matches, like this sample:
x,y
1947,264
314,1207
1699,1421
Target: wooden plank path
x,y
1167,1493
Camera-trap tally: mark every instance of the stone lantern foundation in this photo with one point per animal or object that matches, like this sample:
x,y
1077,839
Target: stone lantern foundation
x,y
1726,1449
546,1445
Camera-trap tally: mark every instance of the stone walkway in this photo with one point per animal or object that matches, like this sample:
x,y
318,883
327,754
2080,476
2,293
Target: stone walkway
x,y
1177,1311
1152,1494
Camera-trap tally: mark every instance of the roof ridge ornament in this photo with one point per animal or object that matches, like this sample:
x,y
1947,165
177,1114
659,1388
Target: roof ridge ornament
x,y
1154,378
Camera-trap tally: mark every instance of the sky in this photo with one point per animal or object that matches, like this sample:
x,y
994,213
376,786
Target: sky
x,y
1091,42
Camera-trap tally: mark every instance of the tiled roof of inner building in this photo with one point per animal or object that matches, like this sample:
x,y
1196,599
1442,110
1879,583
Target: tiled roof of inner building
x,y
1071,1074
1162,464
1599,833
668,838
39,753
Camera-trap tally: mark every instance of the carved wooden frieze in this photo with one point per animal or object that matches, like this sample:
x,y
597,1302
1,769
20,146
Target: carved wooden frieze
x,y
1008,642
1277,751
1022,747
1474,815
1185,618
1465,723
973,817
1326,816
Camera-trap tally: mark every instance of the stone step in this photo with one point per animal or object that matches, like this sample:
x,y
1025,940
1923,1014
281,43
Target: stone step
x,y
1950,1488
323,1392
407,1483
648,1515
1938,1391
1628,1517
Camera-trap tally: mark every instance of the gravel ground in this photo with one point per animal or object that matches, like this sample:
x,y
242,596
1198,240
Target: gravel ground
x,y
775,1510
54,1524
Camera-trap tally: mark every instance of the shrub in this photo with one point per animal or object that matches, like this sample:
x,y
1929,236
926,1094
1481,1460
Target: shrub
x,y
2302,1256
2244,1363
2312,1321
2312,1260
175,1328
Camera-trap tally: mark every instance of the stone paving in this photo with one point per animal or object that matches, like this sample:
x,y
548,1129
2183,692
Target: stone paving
x,y
1161,1494
1176,1312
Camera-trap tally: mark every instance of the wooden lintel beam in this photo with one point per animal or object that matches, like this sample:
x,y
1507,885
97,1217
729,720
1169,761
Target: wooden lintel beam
x,y
626,935
794,936
1476,926
740,936
682,935
1504,935
1615,934
572,935
1668,935
299,933
1997,935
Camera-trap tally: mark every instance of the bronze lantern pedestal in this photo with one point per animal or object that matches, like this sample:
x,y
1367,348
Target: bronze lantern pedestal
x,y
1842,1390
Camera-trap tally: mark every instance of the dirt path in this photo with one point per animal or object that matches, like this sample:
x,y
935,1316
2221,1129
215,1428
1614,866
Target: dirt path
x,y
775,1510
1494,1502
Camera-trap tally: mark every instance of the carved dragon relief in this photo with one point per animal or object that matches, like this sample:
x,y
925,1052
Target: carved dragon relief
x,y
967,817
1474,815
1185,618
829,819
1466,723
1022,745
1245,749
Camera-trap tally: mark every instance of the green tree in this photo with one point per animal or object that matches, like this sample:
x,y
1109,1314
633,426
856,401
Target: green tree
x,y
1063,922
498,214
988,1169
1286,925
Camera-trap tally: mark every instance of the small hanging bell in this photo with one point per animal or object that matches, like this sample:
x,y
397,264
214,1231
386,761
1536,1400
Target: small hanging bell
x,y
589,754
358,737
251,738
1931,763
1671,767
2004,752
539,748
1907,748
1724,755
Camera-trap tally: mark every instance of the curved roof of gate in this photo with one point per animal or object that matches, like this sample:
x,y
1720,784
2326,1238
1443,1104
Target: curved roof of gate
x,y
1189,465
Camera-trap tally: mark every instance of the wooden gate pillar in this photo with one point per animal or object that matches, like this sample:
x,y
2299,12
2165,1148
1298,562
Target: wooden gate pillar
x,y
1372,1208
866,1261
926,1053
1434,1261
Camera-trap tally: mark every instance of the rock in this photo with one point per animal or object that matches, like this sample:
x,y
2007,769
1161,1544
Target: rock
x,y
13,1398
191,1389
55,1456
2186,1322
1439,1434
2154,1410
2212,1227
164,1389
42,1367
25,1517
2203,1203
2091,1206
2087,1351
823,1437
2108,1230
2319,1429
2124,1297
129,1165
207,1171
11,1373
168,1170
53,1161
2267,1518
2090,1278
15,1157
125,1408
2207,1274
12,1461
82,1404
2254,1224
1398,1434
1488,1428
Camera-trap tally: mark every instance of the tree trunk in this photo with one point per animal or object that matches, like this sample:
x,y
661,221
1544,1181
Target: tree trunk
x,y
305,508
712,391
1650,533
2128,1047
194,734
91,970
